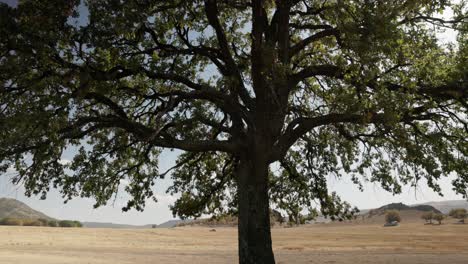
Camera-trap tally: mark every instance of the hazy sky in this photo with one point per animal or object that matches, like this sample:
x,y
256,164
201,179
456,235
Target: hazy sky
x,y
82,209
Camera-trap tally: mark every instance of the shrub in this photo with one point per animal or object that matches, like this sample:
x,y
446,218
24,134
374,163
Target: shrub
x,y
459,213
11,222
66,223
43,221
69,223
428,216
439,218
52,223
392,216
32,222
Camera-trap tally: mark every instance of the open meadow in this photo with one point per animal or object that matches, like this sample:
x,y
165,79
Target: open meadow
x,y
321,243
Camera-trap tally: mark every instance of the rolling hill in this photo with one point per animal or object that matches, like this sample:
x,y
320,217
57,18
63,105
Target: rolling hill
x,y
12,208
167,224
109,225
15,209
408,213
173,223
402,207
446,206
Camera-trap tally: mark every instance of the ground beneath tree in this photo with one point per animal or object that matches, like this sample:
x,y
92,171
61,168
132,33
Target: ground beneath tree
x,y
325,243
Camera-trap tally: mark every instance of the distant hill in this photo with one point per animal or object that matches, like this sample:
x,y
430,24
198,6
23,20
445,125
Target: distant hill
x,y
15,209
168,224
173,223
446,206
408,213
109,225
402,207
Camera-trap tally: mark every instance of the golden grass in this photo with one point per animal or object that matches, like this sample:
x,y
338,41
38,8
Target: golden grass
x,y
345,243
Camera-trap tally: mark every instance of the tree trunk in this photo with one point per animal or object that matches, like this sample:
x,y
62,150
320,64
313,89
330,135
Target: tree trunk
x,y
255,245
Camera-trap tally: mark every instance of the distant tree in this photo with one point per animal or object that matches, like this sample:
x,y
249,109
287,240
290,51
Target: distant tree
x,y
154,226
66,223
392,216
44,222
69,223
11,221
439,218
428,216
32,222
248,91
459,213
52,223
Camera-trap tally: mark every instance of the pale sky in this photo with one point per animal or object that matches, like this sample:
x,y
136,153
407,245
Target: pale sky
x,y
82,209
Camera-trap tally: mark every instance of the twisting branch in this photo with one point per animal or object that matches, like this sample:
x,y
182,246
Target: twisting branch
x,y
212,13
302,125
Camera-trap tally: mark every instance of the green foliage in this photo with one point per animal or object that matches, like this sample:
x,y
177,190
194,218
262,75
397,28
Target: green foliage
x,y
207,184
44,222
39,222
392,216
291,187
32,222
52,223
359,90
11,222
69,223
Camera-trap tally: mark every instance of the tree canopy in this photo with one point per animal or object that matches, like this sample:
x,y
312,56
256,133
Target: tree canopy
x,y
289,92
459,213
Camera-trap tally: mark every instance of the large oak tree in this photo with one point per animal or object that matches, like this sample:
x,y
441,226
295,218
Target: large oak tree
x,y
265,99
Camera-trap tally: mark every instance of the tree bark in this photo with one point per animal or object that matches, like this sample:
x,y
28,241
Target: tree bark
x,y
255,244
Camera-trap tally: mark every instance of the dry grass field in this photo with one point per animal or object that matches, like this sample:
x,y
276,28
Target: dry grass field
x,y
330,243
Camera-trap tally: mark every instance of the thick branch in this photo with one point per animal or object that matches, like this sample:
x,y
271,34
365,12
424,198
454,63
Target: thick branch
x,y
282,28
212,13
328,70
259,24
315,37
144,133
302,125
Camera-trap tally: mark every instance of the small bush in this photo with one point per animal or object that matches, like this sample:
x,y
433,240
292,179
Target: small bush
x,y
32,222
78,224
392,216
69,223
39,222
66,223
428,216
439,218
43,221
11,222
52,223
